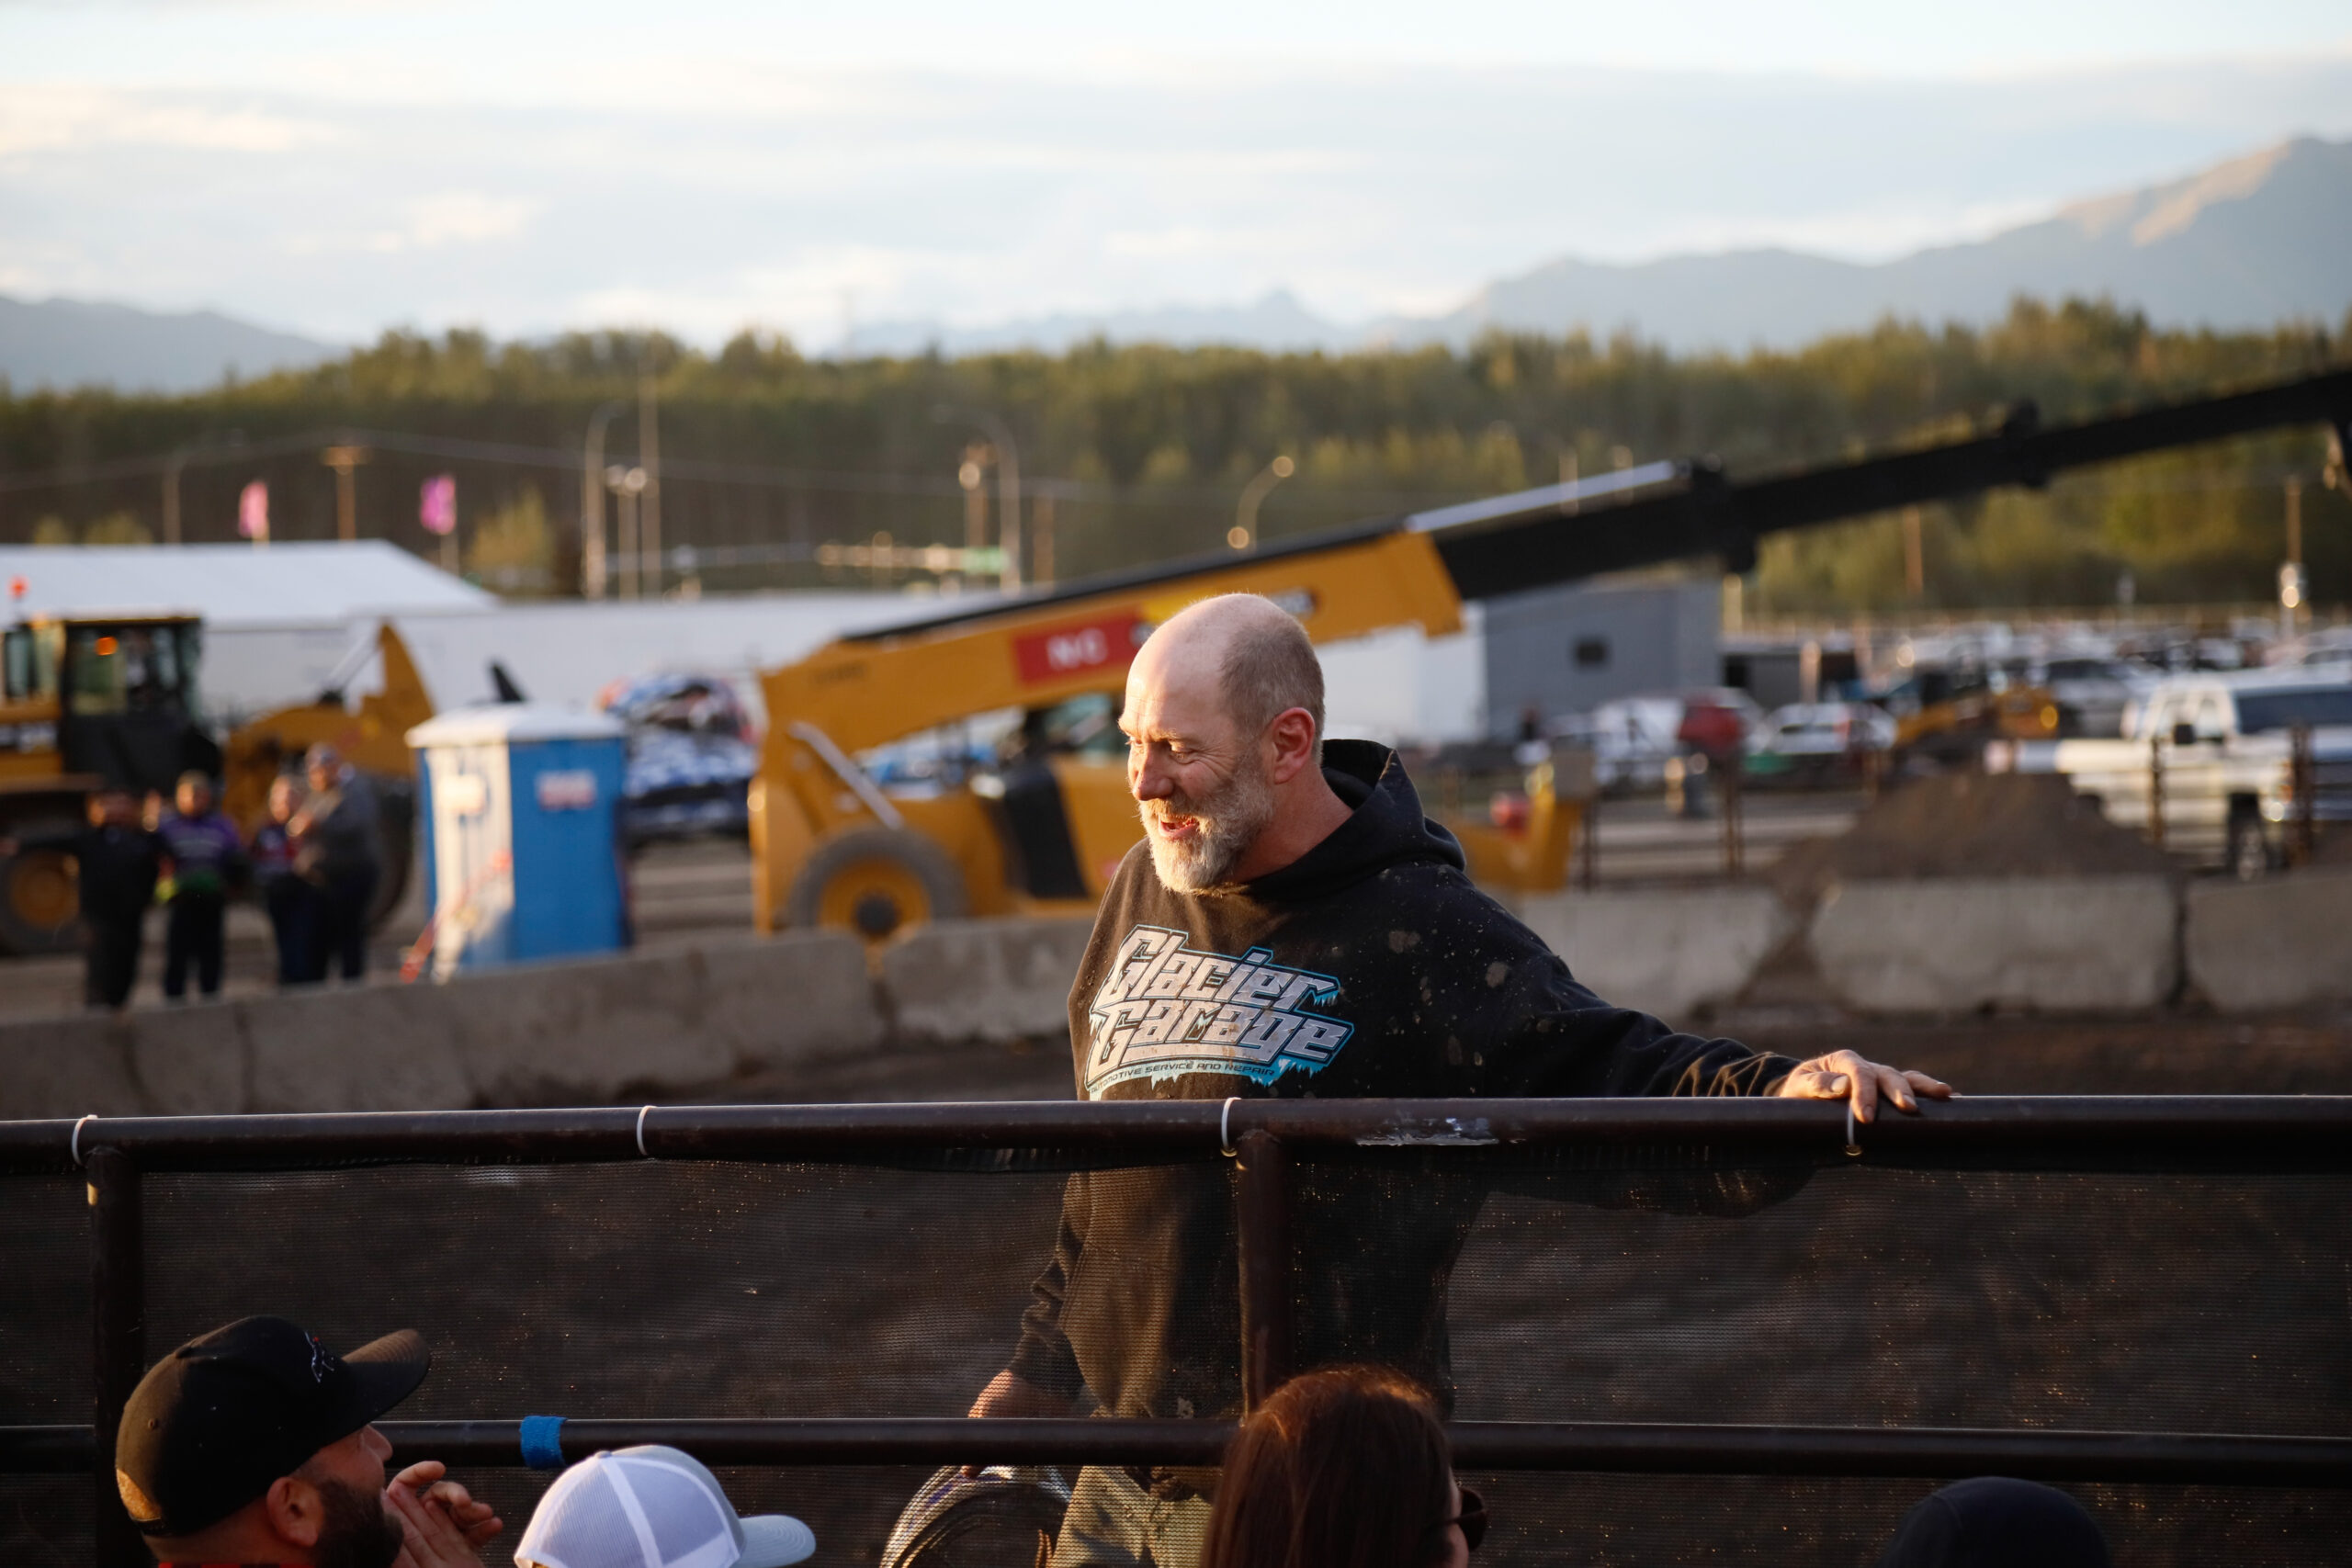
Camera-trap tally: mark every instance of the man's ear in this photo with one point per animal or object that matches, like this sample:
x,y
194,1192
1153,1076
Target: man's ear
x,y
1292,735
295,1510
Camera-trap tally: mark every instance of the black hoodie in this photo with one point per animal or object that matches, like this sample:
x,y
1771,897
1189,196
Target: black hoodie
x,y
1368,967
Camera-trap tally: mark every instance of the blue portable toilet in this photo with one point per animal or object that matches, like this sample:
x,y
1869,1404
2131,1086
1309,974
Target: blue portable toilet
x,y
522,852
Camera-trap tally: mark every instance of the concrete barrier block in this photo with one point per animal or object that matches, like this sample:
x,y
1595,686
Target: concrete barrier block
x,y
586,1030
653,1023
68,1067
2281,942
1668,953
381,1048
800,996
192,1061
1956,944
1000,979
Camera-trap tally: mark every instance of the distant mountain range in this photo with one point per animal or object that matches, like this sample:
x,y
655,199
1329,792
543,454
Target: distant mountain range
x,y
66,343
2247,244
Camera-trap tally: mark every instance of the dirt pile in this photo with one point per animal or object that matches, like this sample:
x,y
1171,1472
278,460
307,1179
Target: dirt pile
x,y
1970,825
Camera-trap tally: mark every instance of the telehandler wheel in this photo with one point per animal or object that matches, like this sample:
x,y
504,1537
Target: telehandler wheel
x,y
40,901
872,882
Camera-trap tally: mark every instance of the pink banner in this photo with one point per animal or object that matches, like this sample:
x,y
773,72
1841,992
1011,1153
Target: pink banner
x,y
253,512
436,505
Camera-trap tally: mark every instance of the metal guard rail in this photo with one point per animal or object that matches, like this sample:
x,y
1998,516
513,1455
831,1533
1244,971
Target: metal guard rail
x,y
2245,1132
2248,1133
1634,1449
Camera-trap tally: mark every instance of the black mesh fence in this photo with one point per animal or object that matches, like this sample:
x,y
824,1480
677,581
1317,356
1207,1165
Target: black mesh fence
x,y
1531,1286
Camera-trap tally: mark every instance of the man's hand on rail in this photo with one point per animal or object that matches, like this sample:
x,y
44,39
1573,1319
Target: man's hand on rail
x,y
1010,1397
1011,1394
443,1527
1844,1074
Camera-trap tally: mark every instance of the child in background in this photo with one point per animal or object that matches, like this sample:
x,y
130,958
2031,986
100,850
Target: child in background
x,y
205,856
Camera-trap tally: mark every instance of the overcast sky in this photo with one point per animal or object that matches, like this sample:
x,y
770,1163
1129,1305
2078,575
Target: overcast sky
x,y
338,168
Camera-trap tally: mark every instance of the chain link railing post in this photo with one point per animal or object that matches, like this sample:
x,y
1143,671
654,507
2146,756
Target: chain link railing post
x,y
1264,1203
119,1334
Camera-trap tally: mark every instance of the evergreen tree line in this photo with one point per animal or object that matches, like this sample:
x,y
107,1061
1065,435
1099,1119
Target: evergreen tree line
x,y
1130,455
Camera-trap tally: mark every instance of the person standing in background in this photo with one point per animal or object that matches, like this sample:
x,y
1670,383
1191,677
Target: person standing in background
x,y
336,851
204,859
116,862
291,901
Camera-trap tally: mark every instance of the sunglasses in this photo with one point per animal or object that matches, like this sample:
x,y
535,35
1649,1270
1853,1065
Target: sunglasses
x,y
1472,1518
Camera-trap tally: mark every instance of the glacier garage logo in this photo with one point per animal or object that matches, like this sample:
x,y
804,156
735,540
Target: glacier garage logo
x,y
1166,1009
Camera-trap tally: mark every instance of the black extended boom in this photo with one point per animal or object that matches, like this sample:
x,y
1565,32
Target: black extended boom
x,y
1667,511
1701,512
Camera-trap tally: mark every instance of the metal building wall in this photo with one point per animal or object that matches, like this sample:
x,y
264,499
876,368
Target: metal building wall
x,y
1569,649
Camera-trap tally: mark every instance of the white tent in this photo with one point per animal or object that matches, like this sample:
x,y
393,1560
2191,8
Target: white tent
x,y
234,587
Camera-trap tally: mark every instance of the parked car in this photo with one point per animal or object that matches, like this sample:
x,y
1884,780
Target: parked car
x,y
691,759
2220,748
1631,738
1816,743
2092,694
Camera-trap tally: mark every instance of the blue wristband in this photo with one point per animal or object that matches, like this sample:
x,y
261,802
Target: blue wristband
x,y
543,1441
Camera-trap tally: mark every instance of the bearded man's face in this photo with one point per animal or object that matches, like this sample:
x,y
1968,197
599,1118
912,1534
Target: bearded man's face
x,y
1196,842
358,1529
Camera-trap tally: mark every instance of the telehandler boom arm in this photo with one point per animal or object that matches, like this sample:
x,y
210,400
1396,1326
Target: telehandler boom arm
x,y
816,818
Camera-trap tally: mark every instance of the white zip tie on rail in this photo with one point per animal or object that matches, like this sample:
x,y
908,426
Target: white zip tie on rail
x,y
641,1112
1225,1128
75,1147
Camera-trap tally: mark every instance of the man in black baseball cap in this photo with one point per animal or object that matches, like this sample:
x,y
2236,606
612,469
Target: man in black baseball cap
x,y
254,1443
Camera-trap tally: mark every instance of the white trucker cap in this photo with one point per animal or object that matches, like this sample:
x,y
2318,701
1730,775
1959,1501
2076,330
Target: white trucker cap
x,y
653,1508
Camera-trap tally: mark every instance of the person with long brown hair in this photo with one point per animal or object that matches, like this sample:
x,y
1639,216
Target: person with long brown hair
x,y
1342,1468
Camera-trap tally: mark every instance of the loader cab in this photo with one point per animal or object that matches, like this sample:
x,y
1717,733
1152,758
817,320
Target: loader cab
x,y
114,698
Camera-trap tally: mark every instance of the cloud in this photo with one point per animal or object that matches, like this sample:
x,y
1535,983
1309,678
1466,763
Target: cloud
x,y
35,118
466,218
433,223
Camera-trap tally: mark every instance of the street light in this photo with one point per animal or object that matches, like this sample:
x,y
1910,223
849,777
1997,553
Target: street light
x,y
591,502
627,484
1008,482
1244,532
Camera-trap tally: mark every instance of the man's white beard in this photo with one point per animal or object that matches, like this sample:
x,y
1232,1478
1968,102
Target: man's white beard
x,y
1226,824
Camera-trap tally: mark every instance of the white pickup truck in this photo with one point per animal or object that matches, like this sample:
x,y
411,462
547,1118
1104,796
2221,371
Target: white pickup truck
x,y
2222,746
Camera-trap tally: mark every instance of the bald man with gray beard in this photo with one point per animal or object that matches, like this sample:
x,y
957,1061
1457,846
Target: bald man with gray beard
x,y
1293,924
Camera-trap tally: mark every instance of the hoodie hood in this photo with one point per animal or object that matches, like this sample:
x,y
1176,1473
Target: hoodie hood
x,y
1386,829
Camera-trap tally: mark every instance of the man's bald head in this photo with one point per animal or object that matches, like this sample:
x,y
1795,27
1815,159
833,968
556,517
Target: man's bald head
x,y
1257,653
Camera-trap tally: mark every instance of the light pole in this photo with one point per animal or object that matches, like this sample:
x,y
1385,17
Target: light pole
x,y
591,503
649,457
626,484
1244,532
1008,483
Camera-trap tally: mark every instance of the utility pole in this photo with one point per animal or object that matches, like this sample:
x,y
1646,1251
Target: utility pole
x,y
1041,539
649,458
344,460
1914,557
172,496
591,503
